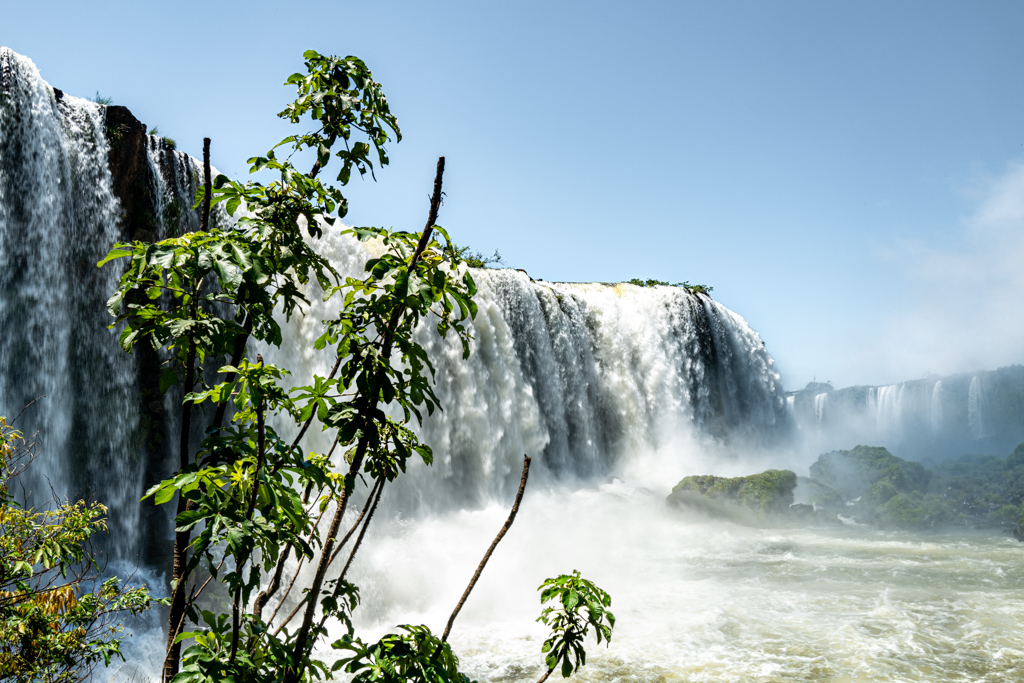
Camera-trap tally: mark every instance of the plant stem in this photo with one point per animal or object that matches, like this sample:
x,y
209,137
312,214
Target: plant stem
x,y
176,617
487,555
205,222
355,548
250,509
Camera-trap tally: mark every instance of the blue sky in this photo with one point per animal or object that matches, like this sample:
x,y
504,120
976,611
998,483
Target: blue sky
x,y
846,175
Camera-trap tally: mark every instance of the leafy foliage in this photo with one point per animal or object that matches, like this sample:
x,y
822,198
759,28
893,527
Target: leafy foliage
x,y
477,259
248,500
56,623
877,487
417,656
572,594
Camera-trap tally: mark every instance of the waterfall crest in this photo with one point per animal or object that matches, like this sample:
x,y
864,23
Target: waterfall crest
x,y
590,378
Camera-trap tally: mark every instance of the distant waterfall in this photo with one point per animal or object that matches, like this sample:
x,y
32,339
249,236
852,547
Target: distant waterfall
x,y
935,408
820,401
976,409
923,418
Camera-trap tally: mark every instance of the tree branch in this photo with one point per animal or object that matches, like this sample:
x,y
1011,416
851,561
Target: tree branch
x,y
487,555
367,411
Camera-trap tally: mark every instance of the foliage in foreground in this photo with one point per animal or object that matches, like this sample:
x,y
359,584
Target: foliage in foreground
x,y
250,503
57,619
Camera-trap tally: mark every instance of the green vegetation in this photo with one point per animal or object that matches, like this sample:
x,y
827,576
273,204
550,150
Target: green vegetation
x,y
477,259
763,495
100,99
57,619
249,501
692,289
852,473
169,143
885,490
569,628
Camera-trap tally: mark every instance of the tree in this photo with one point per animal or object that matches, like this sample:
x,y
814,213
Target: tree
x,y
57,618
249,502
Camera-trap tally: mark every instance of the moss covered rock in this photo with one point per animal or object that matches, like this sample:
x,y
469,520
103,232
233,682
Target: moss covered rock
x,y
853,473
761,495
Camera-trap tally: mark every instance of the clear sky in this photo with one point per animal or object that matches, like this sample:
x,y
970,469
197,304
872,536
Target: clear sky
x,y
848,176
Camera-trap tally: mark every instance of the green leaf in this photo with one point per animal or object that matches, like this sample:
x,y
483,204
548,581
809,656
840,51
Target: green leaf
x,y
115,253
168,379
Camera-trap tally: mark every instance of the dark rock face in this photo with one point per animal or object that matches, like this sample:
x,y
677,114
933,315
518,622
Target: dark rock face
x,y
130,170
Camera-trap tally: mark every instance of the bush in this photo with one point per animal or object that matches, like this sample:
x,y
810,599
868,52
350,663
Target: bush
x,y
57,618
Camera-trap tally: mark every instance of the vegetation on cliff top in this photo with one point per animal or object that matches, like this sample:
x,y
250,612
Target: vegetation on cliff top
x,y
692,289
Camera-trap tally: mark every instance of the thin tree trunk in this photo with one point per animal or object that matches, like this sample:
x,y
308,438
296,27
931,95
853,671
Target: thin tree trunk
x,y
208,184
367,412
494,544
179,570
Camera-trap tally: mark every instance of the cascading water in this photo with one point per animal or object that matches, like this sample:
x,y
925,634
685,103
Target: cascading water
x,y
820,402
976,409
926,418
594,379
935,408
58,216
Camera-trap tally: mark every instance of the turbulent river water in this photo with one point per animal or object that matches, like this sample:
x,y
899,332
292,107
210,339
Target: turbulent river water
x,y
617,392
697,600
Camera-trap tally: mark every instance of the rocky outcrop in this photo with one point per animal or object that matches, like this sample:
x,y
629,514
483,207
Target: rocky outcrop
x,y
757,497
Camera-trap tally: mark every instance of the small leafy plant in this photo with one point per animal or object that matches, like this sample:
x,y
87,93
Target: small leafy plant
x,y
569,627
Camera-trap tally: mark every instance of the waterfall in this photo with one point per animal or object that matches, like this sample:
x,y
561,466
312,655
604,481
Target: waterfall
x,y
888,404
591,378
975,409
594,380
820,401
935,408
58,216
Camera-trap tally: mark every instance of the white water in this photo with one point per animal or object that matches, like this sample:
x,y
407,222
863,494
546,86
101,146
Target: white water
x,y
594,380
58,217
697,600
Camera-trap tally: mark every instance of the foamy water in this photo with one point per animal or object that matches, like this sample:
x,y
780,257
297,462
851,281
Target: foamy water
x,y
698,600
